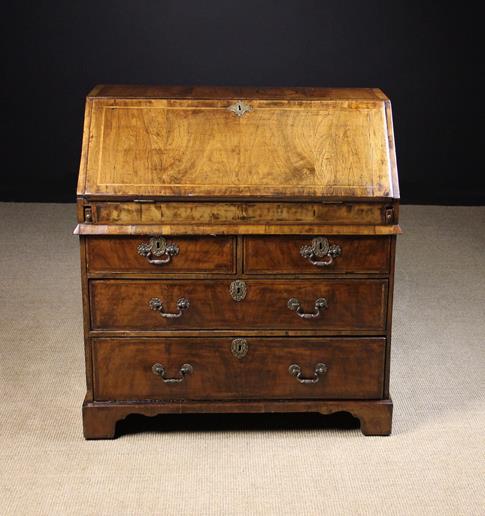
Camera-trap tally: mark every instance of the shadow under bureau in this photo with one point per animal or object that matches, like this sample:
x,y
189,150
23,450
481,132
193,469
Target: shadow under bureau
x,y
237,252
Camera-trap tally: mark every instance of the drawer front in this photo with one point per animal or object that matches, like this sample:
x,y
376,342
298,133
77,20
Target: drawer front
x,y
314,255
195,368
161,255
186,212
327,305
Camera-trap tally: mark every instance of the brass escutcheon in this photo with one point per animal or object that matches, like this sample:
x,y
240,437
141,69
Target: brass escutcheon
x,y
239,348
156,247
320,248
240,108
238,290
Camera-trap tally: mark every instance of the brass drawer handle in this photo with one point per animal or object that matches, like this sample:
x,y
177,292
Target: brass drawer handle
x,y
158,246
185,370
320,370
320,248
320,305
182,304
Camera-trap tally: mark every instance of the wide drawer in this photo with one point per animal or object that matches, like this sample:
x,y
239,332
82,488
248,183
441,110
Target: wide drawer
x,y
161,255
195,368
347,305
314,255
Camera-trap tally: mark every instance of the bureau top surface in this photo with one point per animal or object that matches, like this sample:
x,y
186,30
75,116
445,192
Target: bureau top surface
x,y
233,92
230,142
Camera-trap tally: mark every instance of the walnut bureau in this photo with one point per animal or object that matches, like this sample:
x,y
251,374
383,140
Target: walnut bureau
x,y
237,252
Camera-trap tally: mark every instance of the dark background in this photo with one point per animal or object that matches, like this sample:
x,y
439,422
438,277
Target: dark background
x,y
425,56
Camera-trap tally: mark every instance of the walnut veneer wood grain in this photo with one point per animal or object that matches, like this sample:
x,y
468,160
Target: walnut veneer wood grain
x,y
195,254
100,418
234,229
275,255
124,369
238,179
197,147
187,212
353,305
233,92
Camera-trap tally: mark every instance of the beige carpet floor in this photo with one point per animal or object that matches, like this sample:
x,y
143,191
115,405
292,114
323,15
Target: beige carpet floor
x,y
232,465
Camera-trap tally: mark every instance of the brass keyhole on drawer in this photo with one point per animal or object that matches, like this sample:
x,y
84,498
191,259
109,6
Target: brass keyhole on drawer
x,y
239,348
156,248
320,248
238,290
159,247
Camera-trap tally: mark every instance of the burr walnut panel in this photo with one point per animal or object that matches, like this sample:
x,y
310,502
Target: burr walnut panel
x,y
353,369
351,305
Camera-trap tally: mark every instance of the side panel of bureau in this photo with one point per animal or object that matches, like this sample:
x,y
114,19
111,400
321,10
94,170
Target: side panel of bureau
x,y
353,369
351,305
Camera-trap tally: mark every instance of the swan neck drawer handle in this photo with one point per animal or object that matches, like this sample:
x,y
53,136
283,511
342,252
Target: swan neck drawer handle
x,y
320,370
156,247
320,305
185,370
182,304
320,248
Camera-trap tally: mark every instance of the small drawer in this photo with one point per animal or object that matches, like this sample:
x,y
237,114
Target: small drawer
x,y
327,305
316,255
238,368
161,255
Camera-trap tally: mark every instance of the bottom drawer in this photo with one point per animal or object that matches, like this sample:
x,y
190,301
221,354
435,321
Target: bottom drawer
x,y
225,368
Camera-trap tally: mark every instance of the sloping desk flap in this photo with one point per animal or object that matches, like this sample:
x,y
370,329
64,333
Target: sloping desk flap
x,y
319,146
